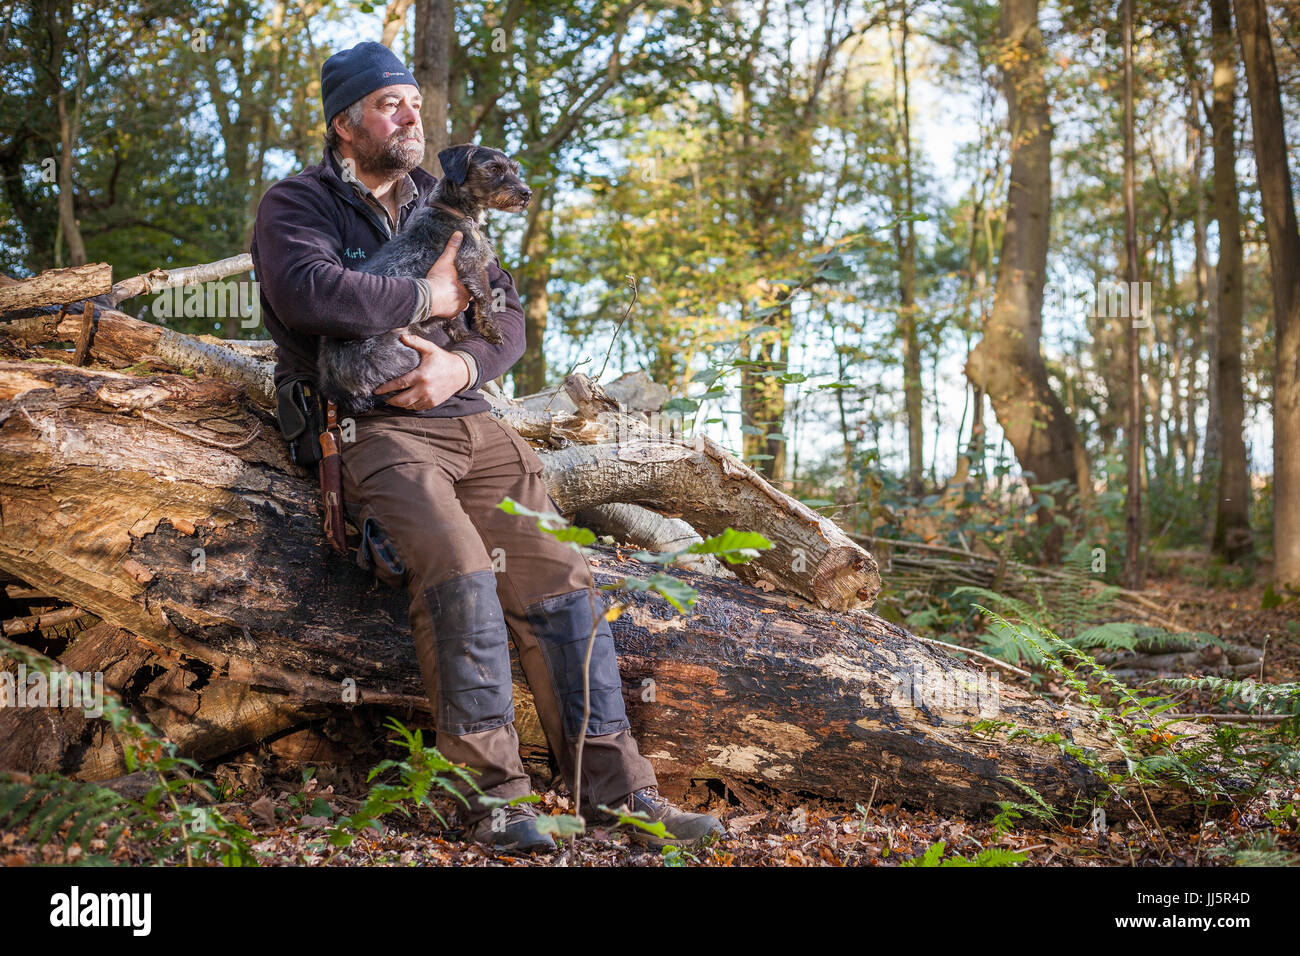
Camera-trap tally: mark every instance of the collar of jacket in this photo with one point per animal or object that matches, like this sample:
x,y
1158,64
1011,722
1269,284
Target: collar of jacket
x,y
332,177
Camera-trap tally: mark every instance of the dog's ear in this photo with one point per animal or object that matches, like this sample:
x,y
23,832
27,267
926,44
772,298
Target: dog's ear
x,y
455,162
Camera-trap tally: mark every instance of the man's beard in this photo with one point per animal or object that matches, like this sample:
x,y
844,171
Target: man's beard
x,y
390,159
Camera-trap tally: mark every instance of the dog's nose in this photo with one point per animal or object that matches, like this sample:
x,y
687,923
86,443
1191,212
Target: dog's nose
x,y
528,194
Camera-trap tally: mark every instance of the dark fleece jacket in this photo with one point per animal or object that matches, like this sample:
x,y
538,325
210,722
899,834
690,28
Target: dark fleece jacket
x,y
309,229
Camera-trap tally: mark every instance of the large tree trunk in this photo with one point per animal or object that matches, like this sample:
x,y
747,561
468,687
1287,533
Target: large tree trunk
x,y
185,525
1284,258
435,25
1008,364
1231,518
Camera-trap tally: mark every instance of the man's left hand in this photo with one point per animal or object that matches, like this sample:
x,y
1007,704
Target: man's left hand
x,y
439,376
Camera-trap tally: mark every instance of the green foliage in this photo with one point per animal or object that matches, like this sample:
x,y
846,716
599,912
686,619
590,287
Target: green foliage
x,y
989,856
551,523
734,547
1073,608
423,771
1230,762
675,856
561,825
639,820
49,800
1256,849
1009,811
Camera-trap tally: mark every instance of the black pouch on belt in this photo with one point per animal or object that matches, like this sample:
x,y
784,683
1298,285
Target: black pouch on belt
x,y
301,415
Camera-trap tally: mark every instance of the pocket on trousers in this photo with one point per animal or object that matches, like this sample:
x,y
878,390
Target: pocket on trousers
x,y
376,552
527,457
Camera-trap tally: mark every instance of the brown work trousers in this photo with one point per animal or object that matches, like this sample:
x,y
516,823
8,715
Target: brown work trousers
x,y
424,492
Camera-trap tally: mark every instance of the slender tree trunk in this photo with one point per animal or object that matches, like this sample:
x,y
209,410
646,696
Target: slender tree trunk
x,y
435,25
530,372
1133,501
68,130
1008,364
1231,518
1206,309
762,399
905,241
1284,258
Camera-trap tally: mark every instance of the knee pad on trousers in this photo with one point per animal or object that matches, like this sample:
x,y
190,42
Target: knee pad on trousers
x,y
472,653
563,625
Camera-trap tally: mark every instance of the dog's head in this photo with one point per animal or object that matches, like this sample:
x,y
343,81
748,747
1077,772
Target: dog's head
x,y
484,177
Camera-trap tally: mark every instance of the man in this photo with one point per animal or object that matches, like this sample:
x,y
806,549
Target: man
x,y
426,471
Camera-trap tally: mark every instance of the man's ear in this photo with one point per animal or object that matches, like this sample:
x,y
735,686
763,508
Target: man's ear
x,y
455,162
339,123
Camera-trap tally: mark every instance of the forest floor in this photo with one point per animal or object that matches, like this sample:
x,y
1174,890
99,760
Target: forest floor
x,y
291,811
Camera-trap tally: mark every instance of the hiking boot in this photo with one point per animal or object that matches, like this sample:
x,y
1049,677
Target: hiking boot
x,y
512,830
684,829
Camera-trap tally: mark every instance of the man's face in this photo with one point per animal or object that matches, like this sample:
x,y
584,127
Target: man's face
x,y
390,140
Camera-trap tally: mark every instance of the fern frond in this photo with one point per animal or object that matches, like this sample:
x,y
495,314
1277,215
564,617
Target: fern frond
x,y
51,800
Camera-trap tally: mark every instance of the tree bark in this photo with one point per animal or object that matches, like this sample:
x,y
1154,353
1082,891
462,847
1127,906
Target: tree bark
x,y
1135,433
1008,363
530,372
69,130
1232,536
435,28
205,716
57,286
905,243
1284,258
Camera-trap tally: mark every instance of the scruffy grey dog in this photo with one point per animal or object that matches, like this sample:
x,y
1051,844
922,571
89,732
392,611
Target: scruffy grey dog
x,y
475,178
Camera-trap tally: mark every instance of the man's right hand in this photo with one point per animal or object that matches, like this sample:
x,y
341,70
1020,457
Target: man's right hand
x,y
450,297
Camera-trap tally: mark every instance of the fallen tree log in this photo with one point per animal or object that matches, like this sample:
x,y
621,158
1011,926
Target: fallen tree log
x,y
57,286
190,529
606,457
120,341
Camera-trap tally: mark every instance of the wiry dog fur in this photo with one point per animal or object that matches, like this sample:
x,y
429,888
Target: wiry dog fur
x,y
475,178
